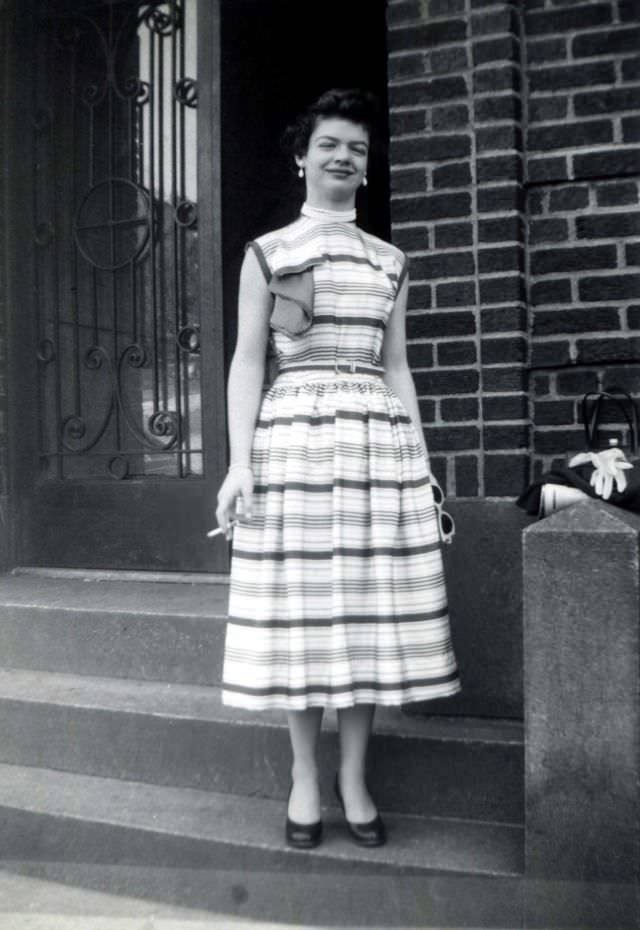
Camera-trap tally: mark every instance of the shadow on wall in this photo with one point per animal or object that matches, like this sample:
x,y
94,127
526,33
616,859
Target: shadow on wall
x,y
483,566
272,68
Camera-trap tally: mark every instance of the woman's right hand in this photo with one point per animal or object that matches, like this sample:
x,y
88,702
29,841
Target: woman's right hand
x,y
235,498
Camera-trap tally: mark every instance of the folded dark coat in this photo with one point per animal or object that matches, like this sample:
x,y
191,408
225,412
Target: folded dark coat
x,y
579,477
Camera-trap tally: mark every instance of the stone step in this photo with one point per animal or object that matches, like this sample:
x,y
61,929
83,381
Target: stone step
x,y
57,816
155,631
88,896
182,735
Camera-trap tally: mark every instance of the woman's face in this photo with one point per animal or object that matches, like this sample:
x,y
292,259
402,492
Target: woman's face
x,y
335,161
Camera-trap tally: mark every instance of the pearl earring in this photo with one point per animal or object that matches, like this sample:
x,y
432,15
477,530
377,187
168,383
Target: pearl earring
x,y
300,172
364,181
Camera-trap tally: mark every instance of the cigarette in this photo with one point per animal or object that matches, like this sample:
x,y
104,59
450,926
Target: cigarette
x,y
219,531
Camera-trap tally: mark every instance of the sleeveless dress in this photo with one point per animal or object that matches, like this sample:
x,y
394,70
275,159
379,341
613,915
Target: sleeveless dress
x,y
337,592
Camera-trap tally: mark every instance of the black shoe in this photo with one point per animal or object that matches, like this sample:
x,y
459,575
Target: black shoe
x,y
302,835
371,833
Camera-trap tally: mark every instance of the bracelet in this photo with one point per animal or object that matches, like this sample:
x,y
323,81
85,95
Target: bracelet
x,y
232,467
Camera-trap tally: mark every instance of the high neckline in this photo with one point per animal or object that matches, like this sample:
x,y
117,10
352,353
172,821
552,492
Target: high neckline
x,y
334,216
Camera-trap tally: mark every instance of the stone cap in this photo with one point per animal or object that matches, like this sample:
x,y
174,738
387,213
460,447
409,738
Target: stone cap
x,y
590,516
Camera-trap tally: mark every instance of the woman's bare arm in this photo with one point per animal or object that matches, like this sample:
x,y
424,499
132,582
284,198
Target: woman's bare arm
x,y
244,388
246,374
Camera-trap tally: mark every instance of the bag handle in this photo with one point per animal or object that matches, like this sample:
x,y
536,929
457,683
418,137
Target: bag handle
x,y
591,416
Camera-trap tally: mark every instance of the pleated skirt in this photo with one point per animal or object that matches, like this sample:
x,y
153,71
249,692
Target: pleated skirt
x,y
337,592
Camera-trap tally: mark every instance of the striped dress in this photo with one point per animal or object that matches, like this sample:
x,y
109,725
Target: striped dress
x,y
337,589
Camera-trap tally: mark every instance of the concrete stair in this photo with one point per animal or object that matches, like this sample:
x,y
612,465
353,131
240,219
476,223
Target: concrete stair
x,y
115,750
156,631
182,735
113,821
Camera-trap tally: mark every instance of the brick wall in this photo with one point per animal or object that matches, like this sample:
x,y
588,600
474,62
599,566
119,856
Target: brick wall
x,y
513,189
457,209
583,167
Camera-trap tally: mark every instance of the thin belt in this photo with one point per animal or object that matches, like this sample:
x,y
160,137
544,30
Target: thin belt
x,y
338,368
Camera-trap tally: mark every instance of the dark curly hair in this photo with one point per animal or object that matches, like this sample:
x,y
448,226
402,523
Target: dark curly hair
x,y
358,106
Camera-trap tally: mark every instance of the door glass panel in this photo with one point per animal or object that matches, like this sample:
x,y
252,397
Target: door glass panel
x,y
116,233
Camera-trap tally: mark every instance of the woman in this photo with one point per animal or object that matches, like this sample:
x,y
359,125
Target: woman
x,y
337,591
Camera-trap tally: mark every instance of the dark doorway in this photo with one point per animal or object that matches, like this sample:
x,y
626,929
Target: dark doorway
x,y
277,56
145,154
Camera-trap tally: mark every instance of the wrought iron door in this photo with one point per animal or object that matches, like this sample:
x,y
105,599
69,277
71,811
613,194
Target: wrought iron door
x,y
126,287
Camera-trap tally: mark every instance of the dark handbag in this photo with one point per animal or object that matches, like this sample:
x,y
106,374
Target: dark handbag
x,y
600,472
592,413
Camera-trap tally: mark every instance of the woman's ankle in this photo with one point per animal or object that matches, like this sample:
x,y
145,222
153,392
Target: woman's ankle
x,y
352,775
304,773
304,798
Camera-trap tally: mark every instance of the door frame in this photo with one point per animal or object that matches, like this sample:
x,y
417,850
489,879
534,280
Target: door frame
x,y
185,503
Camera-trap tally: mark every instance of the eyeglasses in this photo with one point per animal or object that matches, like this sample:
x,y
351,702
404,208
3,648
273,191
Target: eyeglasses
x,y
445,521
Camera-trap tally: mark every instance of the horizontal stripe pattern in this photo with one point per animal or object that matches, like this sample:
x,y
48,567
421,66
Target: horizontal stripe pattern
x,y
337,588
319,621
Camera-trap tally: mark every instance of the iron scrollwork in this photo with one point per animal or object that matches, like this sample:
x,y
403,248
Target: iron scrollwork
x,y
186,214
96,238
162,426
163,18
186,92
119,358
188,338
134,88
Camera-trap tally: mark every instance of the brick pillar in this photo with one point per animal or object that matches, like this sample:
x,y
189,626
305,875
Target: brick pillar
x,y
456,163
497,90
583,170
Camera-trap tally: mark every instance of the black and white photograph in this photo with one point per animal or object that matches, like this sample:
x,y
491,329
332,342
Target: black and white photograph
x,y
320,465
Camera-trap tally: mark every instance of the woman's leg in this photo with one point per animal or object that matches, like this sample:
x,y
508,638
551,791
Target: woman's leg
x,y
354,725
304,802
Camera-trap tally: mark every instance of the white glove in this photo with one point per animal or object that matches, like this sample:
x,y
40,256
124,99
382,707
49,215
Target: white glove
x,y
609,468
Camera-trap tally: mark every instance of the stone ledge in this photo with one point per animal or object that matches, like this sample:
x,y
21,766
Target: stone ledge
x,y
592,516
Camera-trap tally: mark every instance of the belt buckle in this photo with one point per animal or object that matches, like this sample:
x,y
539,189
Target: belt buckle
x,y
350,366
